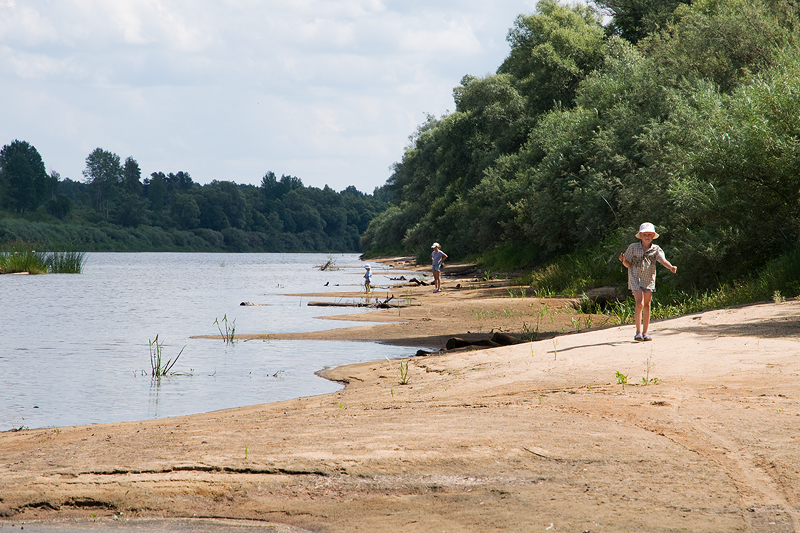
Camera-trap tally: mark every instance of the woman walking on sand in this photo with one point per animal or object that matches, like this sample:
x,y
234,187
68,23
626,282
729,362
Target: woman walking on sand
x,y
640,260
437,258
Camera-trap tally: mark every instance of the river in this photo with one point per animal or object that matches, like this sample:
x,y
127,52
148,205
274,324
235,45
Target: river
x,y
75,348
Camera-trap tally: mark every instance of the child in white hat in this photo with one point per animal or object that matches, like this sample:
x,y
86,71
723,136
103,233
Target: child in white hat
x,y
437,258
367,277
640,260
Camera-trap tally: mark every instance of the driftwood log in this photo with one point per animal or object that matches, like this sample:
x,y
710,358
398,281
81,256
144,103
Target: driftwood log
x,y
498,339
457,342
377,304
327,266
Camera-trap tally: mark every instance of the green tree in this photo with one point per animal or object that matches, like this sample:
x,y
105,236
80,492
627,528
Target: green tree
x,y
385,231
726,42
552,50
24,183
156,190
104,174
19,177
186,211
747,154
179,182
128,210
132,177
222,205
236,239
60,206
635,19
275,189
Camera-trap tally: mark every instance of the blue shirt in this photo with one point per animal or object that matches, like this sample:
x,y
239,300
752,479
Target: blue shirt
x,y
437,257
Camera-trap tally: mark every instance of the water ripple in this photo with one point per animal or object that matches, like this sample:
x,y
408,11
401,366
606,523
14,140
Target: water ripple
x,y
79,344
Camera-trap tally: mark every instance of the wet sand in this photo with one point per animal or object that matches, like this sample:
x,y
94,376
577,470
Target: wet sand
x,y
539,436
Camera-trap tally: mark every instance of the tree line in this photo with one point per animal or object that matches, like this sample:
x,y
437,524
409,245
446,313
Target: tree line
x,y
113,207
681,113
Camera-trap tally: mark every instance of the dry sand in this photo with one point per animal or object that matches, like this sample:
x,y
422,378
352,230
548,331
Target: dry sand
x,y
532,437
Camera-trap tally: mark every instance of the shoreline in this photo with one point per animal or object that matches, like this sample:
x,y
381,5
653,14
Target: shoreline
x,y
525,437
468,308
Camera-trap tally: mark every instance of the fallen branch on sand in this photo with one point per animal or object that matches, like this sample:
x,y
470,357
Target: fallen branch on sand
x,y
377,304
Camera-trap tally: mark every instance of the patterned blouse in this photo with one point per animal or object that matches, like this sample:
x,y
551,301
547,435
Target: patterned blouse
x,y
642,270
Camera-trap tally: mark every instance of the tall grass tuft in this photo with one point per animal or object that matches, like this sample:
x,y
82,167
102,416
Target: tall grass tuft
x,y
404,375
230,329
29,261
66,262
16,258
159,368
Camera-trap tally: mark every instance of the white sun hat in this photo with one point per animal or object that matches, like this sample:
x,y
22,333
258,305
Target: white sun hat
x,y
435,245
366,266
646,227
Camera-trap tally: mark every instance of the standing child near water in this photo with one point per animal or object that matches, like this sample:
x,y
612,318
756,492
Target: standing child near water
x,y
437,258
639,259
367,278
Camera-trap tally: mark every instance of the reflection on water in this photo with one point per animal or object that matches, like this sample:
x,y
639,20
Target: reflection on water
x,y
155,385
75,348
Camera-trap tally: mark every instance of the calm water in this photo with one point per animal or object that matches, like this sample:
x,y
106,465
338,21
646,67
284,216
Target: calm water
x,y
73,346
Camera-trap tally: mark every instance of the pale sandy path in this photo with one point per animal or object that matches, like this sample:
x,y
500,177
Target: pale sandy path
x,y
534,437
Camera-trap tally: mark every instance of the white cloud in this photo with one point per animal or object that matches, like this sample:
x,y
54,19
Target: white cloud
x,y
328,91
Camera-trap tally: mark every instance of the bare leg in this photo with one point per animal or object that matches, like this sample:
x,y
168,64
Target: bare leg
x,y
437,280
646,298
638,296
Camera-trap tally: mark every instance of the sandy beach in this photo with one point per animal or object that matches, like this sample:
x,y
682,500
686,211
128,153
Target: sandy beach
x,y
581,430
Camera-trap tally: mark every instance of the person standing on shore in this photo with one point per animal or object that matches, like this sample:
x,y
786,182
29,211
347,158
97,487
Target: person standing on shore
x,y
437,258
640,260
367,277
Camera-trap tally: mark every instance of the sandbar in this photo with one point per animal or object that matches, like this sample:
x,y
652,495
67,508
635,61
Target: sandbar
x,y
581,430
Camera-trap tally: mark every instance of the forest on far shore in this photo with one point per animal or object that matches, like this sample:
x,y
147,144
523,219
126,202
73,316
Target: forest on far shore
x,y
114,209
681,113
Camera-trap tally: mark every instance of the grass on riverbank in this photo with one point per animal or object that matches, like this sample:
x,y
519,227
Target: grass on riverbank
x,y
574,274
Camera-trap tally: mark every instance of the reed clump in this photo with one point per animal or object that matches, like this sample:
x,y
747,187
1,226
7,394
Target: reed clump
x,y
65,262
230,329
17,259
158,367
29,261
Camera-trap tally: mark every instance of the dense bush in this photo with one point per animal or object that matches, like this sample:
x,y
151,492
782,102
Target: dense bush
x,y
692,124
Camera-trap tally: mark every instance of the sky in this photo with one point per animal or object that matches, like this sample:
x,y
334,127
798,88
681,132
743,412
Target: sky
x,y
327,91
